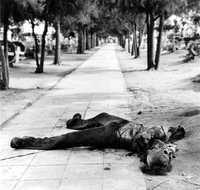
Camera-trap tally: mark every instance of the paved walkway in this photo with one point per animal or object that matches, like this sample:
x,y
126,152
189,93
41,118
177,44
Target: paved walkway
x,y
96,86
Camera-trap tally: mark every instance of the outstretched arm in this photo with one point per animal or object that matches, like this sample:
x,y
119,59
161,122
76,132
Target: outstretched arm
x,y
100,120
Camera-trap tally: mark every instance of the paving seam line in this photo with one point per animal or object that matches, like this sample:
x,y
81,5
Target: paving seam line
x,y
18,181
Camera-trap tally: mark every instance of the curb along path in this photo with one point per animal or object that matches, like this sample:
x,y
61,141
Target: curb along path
x,y
96,86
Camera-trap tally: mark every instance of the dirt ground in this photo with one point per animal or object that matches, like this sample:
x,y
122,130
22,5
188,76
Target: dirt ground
x,y
168,97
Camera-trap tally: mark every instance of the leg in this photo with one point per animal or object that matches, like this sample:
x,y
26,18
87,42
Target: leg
x,y
99,120
98,137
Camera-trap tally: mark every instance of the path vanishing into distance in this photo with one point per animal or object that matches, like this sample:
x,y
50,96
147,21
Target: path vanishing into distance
x,y
94,87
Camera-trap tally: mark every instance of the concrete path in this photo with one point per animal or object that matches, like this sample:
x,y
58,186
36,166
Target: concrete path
x,y
96,86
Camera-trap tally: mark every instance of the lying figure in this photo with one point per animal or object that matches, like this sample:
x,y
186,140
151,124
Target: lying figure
x,y
153,145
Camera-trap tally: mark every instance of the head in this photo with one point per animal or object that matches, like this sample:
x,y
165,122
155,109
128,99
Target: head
x,y
75,122
158,158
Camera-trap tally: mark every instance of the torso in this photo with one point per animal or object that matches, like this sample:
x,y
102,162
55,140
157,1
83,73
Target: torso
x,y
134,134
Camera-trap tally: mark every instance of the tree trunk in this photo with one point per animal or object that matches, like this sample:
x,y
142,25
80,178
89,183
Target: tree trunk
x,y
43,44
87,40
123,41
129,49
4,82
80,41
91,39
141,31
135,41
97,40
5,39
120,40
58,46
150,40
132,47
36,44
134,44
94,40
159,41
84,39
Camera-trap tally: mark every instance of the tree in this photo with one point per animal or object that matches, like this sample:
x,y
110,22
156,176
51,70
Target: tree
x,y
113,22
58,45
88,12
10,11
5,19
153,9
58,10
36,12
158,9
4,75
135,21
76,15
192,5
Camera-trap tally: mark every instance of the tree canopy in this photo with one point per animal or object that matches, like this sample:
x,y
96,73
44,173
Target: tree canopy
x,y
93,19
